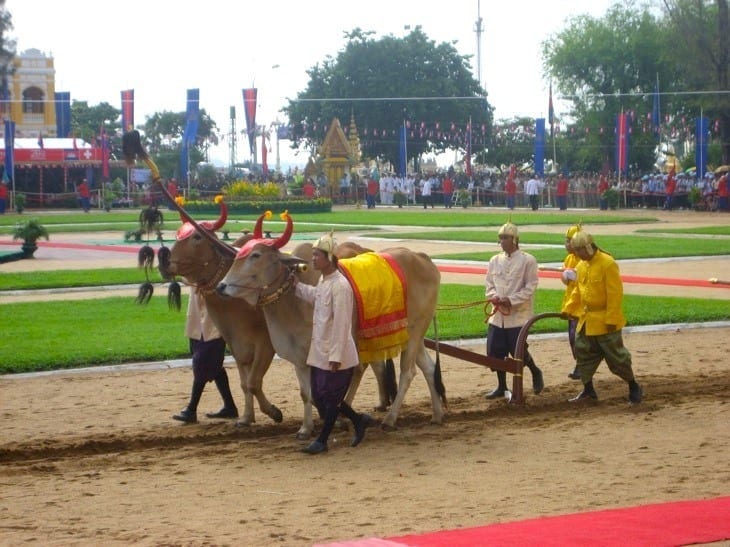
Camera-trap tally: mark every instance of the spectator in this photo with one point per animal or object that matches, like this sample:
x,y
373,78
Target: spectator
x,y
561,192
84,195
533,188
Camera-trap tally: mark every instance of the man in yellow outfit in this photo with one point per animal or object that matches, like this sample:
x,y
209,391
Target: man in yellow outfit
x,y
568,277
596,302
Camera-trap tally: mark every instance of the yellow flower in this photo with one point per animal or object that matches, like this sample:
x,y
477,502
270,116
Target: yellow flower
x,y
218,199
180,200
284,215
268,215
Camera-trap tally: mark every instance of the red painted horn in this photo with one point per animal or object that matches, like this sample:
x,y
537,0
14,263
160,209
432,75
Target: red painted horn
x,y
284,238
258,227
222,218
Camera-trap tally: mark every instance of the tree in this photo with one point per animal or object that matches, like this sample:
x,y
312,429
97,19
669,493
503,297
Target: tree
x,y
701,39
608,65
163,133
427,86
7,48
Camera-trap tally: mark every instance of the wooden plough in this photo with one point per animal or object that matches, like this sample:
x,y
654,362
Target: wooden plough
x,y
513,365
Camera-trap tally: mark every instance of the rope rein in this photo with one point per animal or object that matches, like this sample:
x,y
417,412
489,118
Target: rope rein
x,y
494,302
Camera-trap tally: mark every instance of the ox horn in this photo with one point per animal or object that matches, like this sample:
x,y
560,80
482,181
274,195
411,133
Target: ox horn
x,y
132,149
284,238
218,224
258,227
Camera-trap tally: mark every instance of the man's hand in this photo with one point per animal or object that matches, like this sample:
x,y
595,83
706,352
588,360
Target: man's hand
x,y
611,328
335,365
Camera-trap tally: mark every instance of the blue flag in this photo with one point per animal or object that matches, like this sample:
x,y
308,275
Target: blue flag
x,y
9,148
63,113
192,116
540,146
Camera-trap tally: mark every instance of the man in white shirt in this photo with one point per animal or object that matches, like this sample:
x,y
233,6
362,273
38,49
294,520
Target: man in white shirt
x,y
533,187
510,287
332,352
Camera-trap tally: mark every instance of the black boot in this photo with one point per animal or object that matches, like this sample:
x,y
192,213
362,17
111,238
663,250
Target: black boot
x,y
501,386
229,409
635,392
538,384
587,394
320,445
359,421
189,414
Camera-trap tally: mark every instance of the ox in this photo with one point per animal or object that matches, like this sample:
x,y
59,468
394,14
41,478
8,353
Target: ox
x,y
203,265
202,259
260,274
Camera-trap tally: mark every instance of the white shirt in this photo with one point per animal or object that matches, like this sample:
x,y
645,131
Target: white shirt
x,y
198,323
332,327
515,277
532,187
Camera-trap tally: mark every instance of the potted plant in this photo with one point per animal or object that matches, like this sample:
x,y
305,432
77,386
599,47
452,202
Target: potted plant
x,y
463,196
611,198
20,203
30,231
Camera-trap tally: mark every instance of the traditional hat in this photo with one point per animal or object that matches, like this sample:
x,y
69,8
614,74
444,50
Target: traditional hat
x,y
573,230
581,239
509,229
327,244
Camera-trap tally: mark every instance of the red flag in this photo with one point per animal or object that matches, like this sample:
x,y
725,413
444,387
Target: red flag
x,y
468,150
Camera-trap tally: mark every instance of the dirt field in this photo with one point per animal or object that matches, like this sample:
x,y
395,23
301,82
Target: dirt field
x,y
94,457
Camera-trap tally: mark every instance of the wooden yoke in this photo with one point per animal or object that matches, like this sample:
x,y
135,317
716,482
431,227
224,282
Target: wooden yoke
x,y
512,365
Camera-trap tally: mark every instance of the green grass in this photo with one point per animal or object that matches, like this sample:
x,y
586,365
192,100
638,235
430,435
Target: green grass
x,y
413,216
699,230
75,278
81,333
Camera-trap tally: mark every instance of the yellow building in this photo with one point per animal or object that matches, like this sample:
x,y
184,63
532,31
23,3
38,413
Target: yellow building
x,y
31,94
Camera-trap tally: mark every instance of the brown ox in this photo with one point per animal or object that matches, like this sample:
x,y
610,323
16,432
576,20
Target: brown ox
x,y
203,262
261,274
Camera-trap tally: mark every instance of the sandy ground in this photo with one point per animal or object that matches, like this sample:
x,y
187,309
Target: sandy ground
x,y
93,457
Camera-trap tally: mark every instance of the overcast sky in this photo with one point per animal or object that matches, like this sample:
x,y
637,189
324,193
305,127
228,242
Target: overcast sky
x,y
161,48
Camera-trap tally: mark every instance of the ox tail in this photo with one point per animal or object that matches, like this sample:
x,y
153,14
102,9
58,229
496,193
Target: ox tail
x,y
437,378
391,384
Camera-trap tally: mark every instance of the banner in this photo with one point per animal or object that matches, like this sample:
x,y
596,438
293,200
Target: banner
x,y
63,113
622,143
702,134
403,152
551,112
192,116
9,150
127,110
540,146
249,109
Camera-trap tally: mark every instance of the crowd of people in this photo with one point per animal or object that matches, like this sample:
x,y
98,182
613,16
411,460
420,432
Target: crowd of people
x,y
513,189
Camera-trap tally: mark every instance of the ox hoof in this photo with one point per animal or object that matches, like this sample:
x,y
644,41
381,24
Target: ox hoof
x,y
303,435
244,423
380,408
388,427
276,415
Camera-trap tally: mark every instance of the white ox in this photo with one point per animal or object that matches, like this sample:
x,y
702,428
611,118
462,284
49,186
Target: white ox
x,y
260,275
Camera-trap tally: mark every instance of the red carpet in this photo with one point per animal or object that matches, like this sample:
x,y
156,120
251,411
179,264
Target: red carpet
x,y
663,524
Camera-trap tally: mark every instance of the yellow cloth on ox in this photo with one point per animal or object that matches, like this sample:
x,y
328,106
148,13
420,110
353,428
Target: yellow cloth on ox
x,y
379,287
